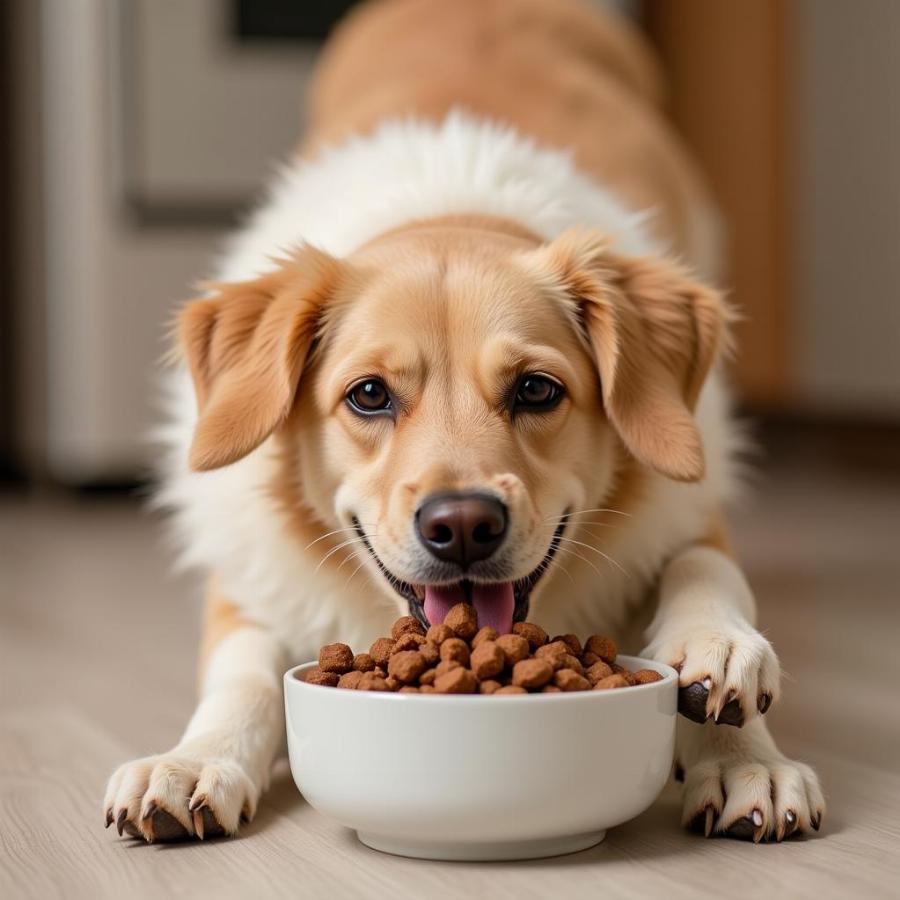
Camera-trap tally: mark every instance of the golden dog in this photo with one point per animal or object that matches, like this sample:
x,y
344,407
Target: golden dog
x,y
451,358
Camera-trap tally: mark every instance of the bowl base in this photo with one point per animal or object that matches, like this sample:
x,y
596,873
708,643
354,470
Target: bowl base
x,y
481,851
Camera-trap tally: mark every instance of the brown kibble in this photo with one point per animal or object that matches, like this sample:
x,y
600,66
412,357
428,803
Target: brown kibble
x,y
426,688
463,619
456,681
571,640
363,662
336,658
489,686
550,689
588,659
456,649
372,682
431,653
437,634
646,676
510,689
406,625
598,671
532,673
604,647
446,665
611,681
619,670
380,651
487,633
514,647
393,683
572,662
350,680
406,666
552,650
487,659
407,641
570,680
534,634
427,677
317,676
408,689
380,671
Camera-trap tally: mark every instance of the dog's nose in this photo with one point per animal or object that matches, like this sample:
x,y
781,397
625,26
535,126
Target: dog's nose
x,y
462,528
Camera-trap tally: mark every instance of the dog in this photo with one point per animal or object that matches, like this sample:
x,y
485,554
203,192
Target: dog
x,y
467,350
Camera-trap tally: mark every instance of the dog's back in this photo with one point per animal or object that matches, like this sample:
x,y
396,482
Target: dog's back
x,y
559,71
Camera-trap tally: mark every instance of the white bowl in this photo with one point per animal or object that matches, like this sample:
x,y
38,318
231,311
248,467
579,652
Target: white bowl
x,y
480,777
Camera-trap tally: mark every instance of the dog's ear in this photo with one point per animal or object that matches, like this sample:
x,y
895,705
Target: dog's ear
x,y
654,332
245,346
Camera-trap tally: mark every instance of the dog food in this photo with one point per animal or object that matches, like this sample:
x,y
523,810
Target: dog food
x,y
458,657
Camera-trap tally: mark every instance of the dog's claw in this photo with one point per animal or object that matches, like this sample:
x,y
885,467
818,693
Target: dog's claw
x,y
197,816
731,714
816,821
109,818
120,821
692,702
764,702
790,824
745,828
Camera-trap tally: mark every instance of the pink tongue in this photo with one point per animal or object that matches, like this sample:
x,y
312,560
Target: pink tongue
x,y
494,603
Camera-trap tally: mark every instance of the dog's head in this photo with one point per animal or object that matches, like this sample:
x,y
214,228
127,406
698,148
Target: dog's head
x,y
451,395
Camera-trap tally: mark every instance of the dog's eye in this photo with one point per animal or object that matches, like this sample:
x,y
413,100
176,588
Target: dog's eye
x,y
535,393
369,396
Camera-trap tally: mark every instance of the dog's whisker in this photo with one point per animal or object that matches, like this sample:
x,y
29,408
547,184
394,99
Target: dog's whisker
x,y
347,582
335,550
354,555
328,534
577,512
608,558
584,559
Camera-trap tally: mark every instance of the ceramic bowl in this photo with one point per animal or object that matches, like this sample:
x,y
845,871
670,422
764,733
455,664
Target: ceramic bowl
x,y
479,777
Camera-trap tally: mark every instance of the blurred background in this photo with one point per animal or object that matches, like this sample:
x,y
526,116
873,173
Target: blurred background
x,y
122,169
134,134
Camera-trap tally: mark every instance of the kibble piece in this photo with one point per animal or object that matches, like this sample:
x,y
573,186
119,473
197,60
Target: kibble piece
x,y
510,689
646,676
489,686
572,662
437,634
588,659
456,649
350,680
431,653
363,662
487,633
611,681
532,673
550,689
406,666
487,660
380,671
371,682
426,688
456,681
380,651
604,647
408,689
409,640
317,676
393,684
554,649
446,665
571,640
619,670
336,658
570,680
427,677
534,634
514,647
597,671
406,625
463,619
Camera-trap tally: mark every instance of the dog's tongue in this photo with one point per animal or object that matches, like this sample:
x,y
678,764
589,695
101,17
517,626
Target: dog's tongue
x,y
494,603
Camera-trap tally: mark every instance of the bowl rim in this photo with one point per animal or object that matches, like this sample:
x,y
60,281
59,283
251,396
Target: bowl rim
x,y
669,676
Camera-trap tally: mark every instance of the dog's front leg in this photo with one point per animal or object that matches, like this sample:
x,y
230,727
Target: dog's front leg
x,y
212,779
737,782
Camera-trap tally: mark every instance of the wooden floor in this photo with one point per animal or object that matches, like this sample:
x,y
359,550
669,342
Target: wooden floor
x,y
97,663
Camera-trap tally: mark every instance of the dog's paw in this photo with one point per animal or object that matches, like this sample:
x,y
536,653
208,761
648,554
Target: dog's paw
x,y
174,796
752,797
729,673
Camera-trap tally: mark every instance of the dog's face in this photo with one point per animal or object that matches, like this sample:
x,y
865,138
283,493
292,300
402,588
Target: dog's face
x,y
464,391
